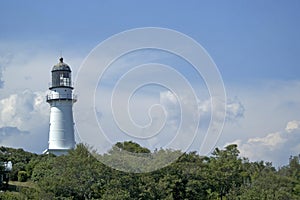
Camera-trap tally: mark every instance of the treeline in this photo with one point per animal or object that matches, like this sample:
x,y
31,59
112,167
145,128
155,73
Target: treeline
x,y
223,175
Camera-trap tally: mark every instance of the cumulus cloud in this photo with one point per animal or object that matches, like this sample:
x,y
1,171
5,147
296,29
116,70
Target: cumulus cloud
x,y
171,105
23,120
273,147
207,131
234,109
271,141
18,109
292,126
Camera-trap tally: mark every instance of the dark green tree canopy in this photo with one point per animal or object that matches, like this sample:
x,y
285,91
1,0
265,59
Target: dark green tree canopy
x,y
131,147
223,175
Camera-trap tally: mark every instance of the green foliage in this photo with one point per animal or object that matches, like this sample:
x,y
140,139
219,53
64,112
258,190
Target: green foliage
x,y
18,157
10,196
22,176
77,175
225,170
131,147
224,175
15,170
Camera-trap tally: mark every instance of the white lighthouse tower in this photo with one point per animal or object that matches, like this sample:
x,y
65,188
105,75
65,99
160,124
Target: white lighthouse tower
x,y
61,100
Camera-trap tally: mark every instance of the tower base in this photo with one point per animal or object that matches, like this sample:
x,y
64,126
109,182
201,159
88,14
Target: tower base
x,y
57,152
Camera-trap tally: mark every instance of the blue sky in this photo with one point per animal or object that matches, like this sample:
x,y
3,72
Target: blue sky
x,y
244,38
255,45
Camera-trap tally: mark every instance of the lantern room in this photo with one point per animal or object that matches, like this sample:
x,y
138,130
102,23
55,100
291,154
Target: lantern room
x,y
61,75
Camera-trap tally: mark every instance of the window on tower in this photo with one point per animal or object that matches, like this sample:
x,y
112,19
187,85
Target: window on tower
x,y
64,79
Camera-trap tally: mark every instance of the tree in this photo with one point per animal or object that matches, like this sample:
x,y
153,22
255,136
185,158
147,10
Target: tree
x,y
225,170
131,147
224,175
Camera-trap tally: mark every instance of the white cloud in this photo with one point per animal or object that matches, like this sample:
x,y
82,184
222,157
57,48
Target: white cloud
x,y
269,106
273,147
271,140
24,120
202,113
292,126
234,109
18,109
171,105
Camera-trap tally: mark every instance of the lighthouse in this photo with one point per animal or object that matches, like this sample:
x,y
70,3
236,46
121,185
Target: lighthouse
x,y
61,100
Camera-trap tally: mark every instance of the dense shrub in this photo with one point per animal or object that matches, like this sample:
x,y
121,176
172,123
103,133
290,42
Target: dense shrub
x,y
22,176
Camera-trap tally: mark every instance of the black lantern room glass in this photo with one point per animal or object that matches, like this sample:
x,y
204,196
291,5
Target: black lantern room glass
x,y
61,75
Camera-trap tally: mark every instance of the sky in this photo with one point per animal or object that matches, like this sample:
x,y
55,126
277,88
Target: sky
x,y
255,46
